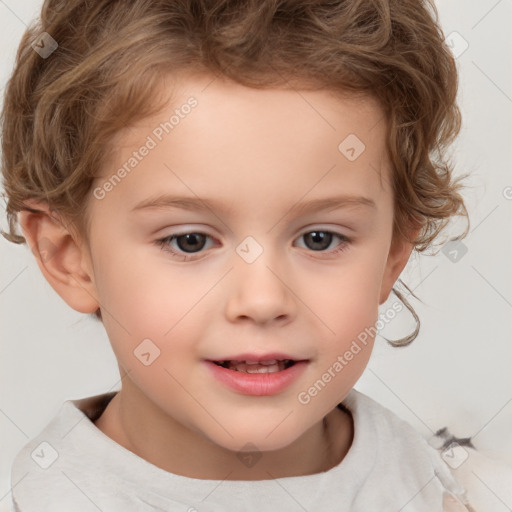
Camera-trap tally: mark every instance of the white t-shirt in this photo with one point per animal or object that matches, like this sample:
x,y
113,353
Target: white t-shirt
x,y
72,466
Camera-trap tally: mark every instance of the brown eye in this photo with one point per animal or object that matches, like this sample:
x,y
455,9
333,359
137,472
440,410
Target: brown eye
x,y
181,245
190,242
318,240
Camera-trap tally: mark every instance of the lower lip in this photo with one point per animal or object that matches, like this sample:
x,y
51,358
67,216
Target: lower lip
x,y
258,384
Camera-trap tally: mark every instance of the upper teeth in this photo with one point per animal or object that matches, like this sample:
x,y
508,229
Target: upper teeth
x,y
270,361
269,366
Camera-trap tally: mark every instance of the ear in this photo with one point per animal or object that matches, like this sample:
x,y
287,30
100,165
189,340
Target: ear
x,y
61,258
398,257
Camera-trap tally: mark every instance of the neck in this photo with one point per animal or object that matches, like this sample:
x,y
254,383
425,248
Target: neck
x,y
148,432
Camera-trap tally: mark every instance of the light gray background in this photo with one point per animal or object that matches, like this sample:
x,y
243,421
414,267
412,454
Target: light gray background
x,y
457,373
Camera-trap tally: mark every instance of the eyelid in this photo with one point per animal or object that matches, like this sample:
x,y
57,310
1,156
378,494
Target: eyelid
x,y
324,227
314,227
344,240
164,243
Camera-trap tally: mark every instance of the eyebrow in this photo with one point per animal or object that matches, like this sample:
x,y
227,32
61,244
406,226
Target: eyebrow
x,y
165,201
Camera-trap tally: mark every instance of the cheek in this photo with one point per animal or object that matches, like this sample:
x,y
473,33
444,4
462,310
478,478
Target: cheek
x,y
138,287
348,310
347,299
144,297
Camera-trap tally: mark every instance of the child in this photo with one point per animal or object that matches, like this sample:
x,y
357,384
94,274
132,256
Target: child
x,y
302,143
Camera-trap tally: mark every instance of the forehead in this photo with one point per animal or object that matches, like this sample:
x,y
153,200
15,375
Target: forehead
x,y
313,110
242,139
301,111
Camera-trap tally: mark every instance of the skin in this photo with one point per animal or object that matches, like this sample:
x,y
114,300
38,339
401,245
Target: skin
x,y
258,153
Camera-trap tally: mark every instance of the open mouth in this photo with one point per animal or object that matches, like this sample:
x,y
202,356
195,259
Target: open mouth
x,y
271,366
258,376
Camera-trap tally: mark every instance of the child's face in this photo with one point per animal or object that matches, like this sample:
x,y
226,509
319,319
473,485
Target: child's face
x,y
254,283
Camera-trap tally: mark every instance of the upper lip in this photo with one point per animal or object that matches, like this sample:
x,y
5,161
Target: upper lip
x,y
258,357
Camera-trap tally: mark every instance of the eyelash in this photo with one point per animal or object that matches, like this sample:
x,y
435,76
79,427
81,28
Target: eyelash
x,y
163,243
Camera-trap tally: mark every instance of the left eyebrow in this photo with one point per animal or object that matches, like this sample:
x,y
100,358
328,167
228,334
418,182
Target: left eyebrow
x,y
333,203
165,201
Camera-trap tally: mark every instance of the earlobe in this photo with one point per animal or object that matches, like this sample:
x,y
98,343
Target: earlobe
x,y
397,260
59,257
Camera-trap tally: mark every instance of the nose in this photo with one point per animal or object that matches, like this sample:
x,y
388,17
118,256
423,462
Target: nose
x,y
260,293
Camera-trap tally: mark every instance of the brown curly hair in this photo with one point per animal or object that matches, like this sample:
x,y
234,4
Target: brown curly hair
x,y
61,112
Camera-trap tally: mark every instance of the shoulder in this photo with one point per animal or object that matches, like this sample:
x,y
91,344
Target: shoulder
x,y
46,470
393,436
396,455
